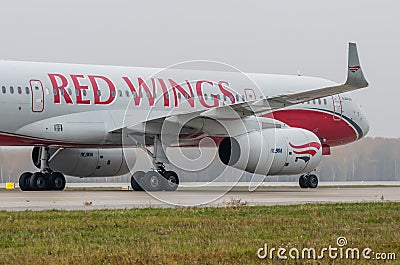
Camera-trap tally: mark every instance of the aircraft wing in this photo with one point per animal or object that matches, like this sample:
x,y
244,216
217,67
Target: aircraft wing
x,y
355,80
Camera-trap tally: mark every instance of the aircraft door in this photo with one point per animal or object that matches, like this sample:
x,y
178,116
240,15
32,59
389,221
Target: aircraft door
x,y
249,93
37,95
337,107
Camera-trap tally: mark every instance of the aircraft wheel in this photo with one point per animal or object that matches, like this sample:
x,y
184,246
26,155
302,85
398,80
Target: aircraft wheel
x,y
303,181
56,181
137,178
312,181
172,182
152,181
25,181
38,181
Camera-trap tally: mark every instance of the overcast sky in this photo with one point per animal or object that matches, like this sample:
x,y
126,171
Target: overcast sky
x,y
282,37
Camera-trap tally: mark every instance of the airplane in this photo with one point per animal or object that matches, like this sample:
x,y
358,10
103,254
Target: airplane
x,y
82,120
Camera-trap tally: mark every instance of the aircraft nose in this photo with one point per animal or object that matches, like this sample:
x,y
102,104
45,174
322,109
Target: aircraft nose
x,y
364,123
365,126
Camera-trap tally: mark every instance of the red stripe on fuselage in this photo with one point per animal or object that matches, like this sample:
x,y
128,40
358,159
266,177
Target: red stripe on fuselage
x,y
336,132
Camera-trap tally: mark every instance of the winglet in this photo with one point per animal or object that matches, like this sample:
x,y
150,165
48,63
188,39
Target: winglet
x,y
355,76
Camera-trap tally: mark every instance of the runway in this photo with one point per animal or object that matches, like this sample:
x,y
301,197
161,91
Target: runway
x,y
117,199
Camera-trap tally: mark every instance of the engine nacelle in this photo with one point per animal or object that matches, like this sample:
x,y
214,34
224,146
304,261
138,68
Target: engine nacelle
x,y
283,151
89,162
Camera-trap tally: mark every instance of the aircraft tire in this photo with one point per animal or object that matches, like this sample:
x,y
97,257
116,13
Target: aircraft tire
x,y
172,181
312,181
24,181
56,181
136,178
39,181
152,181
303,181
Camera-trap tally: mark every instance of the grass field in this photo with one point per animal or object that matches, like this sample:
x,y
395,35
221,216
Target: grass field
x,y
230,235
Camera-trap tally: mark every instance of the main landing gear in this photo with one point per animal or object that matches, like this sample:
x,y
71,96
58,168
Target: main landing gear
x,y
45,179
158,179
308,181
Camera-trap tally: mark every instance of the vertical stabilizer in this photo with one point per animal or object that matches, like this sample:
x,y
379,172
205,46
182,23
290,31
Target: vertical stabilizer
x,y
355,75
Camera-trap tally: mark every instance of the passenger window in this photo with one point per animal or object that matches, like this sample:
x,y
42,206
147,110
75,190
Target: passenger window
x,y
3,89
325,101
205,96
313,102
19,90
11,90
113,93
99,93
127,93
119,93
84,92
134,94
237,97
224,97
179,95
319,101
218,97
55,91
27,90
242,98
69,91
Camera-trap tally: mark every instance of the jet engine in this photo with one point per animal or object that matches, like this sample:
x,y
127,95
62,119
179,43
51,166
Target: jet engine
x,y
89,162
283,151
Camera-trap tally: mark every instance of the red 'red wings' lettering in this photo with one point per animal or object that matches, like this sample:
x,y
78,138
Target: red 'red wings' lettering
x,y
60,88
165,92
199,91
142,86
79,88
185,94
96,93
226,92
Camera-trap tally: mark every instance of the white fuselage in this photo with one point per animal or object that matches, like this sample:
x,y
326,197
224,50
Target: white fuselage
x,y
80,105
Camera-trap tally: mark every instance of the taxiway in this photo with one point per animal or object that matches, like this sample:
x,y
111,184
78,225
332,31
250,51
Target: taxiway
x,y
218,197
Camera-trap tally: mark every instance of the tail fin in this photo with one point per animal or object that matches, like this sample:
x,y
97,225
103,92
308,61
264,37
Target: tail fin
x,y
355,76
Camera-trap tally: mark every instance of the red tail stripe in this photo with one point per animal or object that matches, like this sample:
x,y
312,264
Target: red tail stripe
x,y
312,144
308,152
